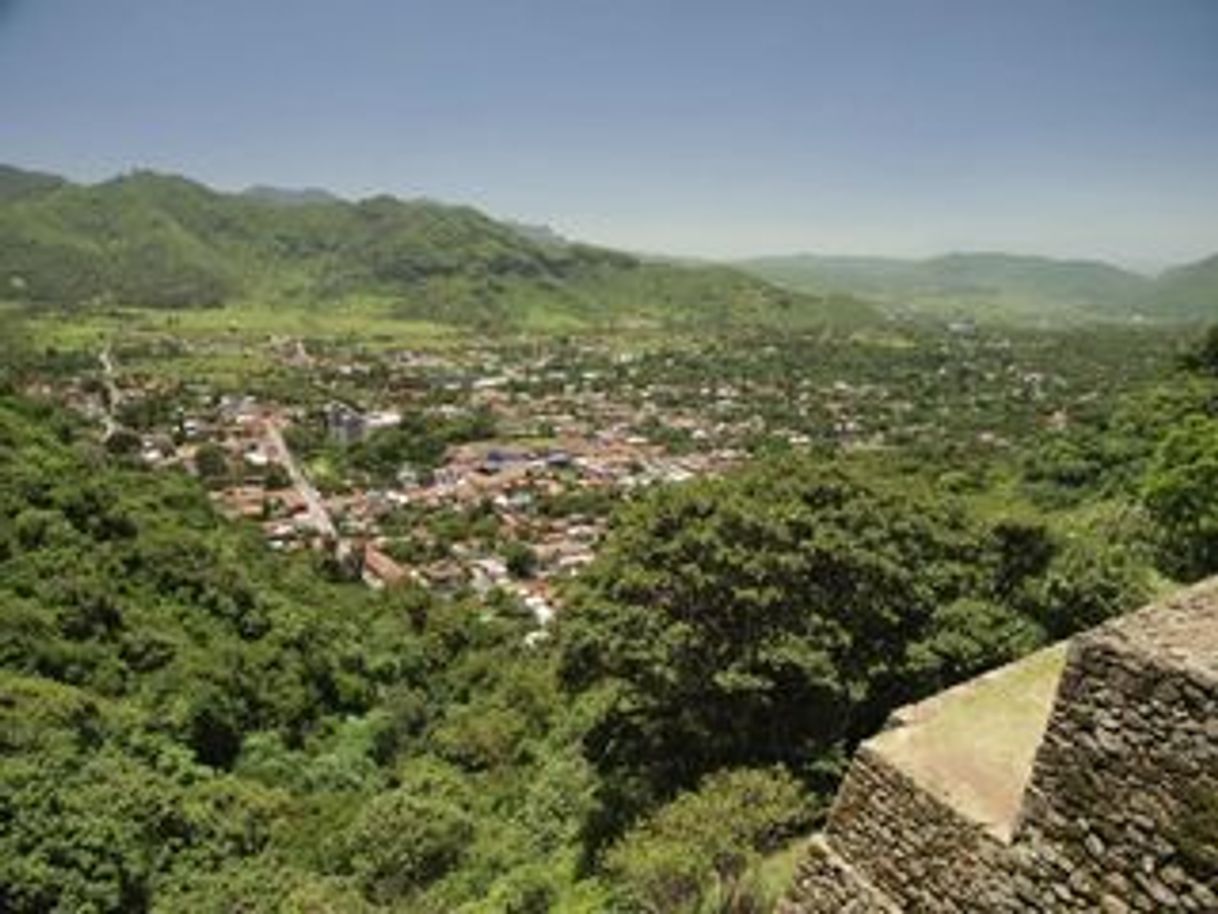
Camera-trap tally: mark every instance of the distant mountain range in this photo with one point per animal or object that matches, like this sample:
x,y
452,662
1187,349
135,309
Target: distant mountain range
x,y
155,240
1004,286
1187,290
541,234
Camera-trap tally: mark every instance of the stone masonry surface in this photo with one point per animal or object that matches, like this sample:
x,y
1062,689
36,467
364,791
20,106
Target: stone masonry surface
x,y
1129,753
836,886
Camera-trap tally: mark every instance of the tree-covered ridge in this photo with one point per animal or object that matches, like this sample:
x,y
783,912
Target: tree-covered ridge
x,y
147,239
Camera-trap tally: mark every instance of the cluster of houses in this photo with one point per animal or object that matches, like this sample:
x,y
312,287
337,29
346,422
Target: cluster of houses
x,y
254,476
511,480
579,419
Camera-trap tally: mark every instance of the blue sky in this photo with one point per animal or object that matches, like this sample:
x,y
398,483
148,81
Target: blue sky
x,y
699,127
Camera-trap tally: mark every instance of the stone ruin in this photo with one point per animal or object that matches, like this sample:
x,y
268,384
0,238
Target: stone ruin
x,y
1077,779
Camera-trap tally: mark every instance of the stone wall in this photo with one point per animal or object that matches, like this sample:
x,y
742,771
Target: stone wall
x,y
1130,747
933,859
834,885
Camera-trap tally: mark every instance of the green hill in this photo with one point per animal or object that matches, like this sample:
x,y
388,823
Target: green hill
x,y
16,183
1003,286
1189,292
289,196
153,240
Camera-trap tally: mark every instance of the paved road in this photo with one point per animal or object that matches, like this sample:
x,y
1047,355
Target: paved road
x,y
317,514
113,394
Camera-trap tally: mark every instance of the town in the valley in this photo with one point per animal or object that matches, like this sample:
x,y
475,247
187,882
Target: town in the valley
x,y
470,466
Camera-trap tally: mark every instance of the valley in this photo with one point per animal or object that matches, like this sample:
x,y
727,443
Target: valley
x,y
608,458
464,463
392,558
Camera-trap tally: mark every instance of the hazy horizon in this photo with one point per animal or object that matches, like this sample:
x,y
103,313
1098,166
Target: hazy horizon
x,y
715,130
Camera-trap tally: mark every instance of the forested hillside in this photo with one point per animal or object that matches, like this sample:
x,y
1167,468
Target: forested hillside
x,y
16,183
161,241
151,240
994,286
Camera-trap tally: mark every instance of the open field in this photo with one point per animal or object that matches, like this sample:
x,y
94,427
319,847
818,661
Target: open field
x,y
371,326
